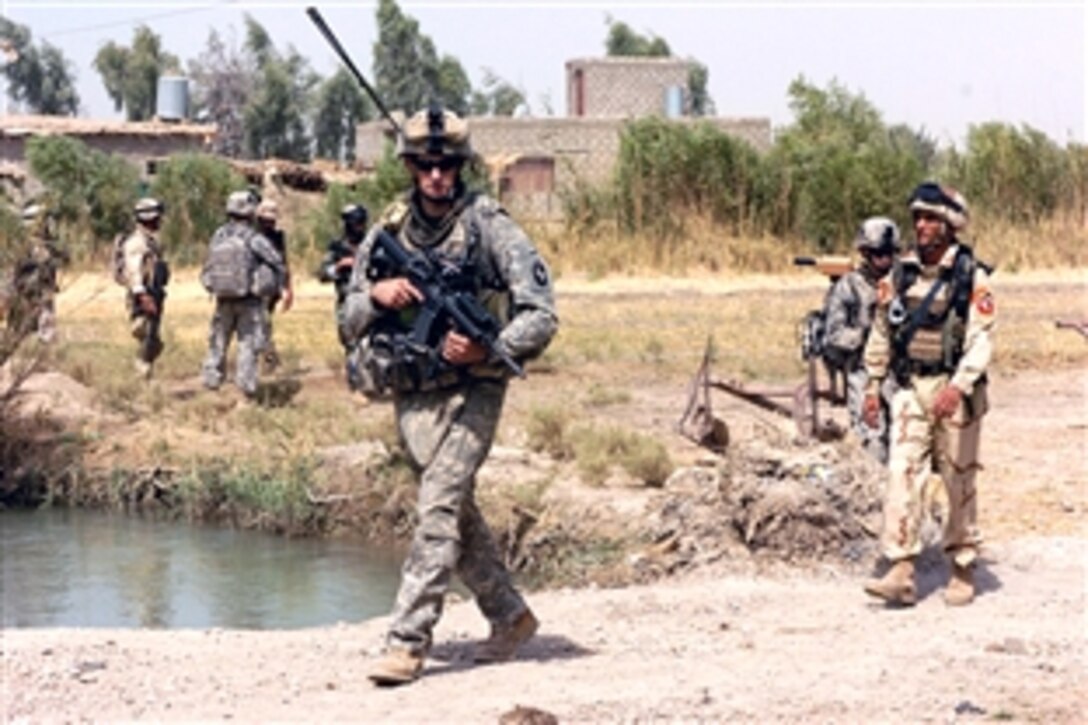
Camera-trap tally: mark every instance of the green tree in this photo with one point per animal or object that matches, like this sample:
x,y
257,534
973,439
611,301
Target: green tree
x,y
408,73
497,98
131,74
275,113
622,41
91,193
835,165
341,106
222,81
194,188
41,79
1018,175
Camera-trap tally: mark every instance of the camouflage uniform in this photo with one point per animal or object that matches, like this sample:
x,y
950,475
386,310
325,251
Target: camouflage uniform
x,y
141,262
267,210
243,316
330,271
34,281
448,426
849,310
921,442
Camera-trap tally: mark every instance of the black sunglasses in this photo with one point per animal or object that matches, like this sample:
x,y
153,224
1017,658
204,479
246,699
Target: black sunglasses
x,y
446,163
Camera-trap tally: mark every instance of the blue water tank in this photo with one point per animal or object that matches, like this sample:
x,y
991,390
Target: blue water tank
x,y
674,101
172,98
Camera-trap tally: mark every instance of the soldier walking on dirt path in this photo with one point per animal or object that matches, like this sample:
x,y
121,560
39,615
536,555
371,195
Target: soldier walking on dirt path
x,y
932,332
139,266
849,311
448,403
242,269
267,217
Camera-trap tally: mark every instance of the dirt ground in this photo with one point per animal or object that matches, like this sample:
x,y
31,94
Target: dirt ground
x,y
743,638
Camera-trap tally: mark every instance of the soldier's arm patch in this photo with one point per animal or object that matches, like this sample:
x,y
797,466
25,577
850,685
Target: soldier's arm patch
x,y
984,302
540,273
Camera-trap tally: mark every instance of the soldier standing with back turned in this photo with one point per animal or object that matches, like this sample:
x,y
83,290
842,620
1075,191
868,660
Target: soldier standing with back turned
x,y
447,414
932,332
849,309
34,279
143,272
242,270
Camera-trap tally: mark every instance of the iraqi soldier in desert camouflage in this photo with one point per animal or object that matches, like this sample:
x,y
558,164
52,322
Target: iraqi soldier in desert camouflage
x,y
34,280
143,272
849,310
242,270
447,420
932,333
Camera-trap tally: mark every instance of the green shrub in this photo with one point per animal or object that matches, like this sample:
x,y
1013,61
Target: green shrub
x,y
596,450
194,188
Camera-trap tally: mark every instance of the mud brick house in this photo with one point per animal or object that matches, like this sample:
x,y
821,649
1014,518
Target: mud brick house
x,y
532,159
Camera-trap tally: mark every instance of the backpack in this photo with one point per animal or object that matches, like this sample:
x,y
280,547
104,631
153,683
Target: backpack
x,y
228,270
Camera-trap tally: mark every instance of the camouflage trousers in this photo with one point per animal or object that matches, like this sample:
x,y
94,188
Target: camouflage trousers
x,y
271,355
921,444
448,434
873,440
241,318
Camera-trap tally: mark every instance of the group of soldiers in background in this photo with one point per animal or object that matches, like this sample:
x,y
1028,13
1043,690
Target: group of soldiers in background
x,y
247,272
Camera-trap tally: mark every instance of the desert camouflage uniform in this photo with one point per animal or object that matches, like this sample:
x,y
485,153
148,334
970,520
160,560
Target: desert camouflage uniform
x,y
448,430
34,287
849,307
920,442
243,317
142,252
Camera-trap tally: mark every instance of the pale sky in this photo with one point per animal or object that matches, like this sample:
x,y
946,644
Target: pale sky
x,y
938,66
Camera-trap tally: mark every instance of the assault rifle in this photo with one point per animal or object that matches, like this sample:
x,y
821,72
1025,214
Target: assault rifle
x,y
1081,327
160,277
443,307
834,266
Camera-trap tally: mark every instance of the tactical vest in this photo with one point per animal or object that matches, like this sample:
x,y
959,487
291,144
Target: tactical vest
x,y
928,326
385,360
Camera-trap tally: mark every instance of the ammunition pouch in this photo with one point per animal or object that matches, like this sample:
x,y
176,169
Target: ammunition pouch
x,y
387,362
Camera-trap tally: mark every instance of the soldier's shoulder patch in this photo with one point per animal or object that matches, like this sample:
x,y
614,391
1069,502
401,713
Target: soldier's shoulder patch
x,y
540,273
394,215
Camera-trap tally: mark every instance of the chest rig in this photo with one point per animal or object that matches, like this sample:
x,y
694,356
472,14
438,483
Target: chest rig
x,y
928,315
403,350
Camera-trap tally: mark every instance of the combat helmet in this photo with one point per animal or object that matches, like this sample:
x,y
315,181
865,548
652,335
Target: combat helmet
x,y
434,132
354,214
241,204
877,234
944,201
148,209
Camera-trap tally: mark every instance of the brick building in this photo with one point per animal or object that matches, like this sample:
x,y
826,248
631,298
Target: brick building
x,y
534,159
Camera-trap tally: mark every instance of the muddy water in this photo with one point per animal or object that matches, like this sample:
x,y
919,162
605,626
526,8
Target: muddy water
x,y
93,569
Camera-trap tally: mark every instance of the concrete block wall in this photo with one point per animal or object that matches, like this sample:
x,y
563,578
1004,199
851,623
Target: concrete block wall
x,y
618,87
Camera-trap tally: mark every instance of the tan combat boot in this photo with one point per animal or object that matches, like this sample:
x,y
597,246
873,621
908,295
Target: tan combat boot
x,y
398,666
961,586
506,638
897,585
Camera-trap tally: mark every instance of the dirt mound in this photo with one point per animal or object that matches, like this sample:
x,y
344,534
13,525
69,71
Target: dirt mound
x,y
804,504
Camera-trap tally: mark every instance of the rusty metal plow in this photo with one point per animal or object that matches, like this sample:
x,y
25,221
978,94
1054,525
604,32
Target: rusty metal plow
x,y
799,403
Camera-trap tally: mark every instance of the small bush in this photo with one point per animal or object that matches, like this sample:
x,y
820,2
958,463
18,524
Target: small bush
x,y
598,449
548,430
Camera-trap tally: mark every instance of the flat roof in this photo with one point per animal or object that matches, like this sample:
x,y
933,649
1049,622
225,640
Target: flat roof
x,y
14,126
